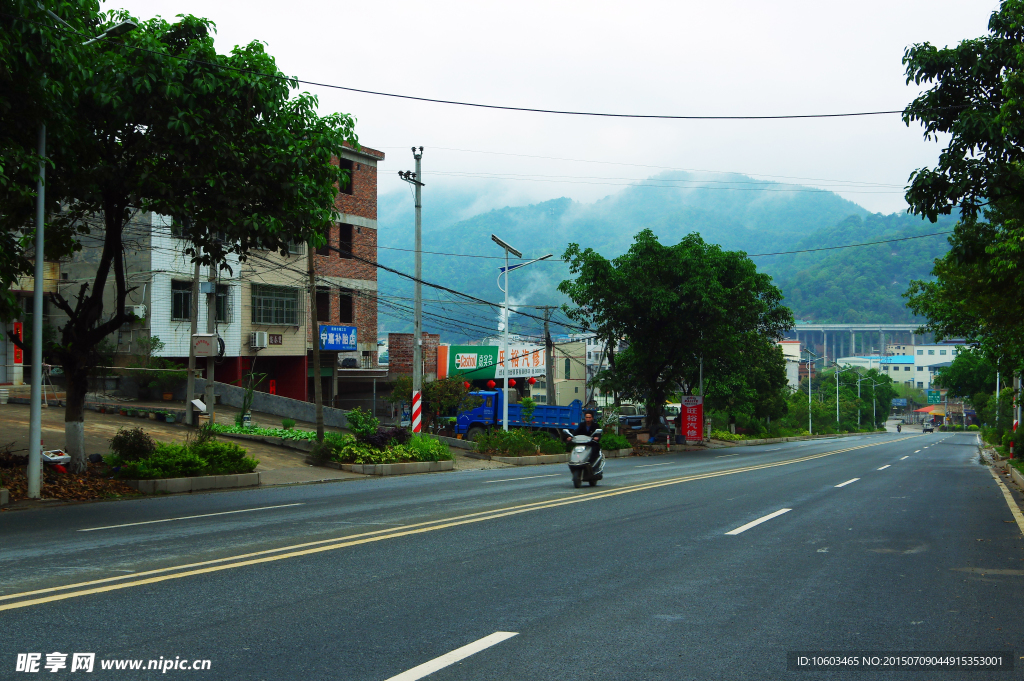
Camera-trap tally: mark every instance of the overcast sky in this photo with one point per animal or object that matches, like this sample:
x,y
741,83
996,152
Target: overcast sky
x,y
685,57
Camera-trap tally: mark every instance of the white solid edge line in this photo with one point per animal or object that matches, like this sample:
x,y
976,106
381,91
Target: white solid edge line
x,y
755,523
525,477
649,465
844,484
725,456
883,467
454,656
905,457
189,517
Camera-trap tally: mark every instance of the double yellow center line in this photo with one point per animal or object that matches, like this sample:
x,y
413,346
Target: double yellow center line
x,y
59,593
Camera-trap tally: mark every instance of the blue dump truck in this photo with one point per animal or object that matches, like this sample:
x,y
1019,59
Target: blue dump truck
x,y
471,423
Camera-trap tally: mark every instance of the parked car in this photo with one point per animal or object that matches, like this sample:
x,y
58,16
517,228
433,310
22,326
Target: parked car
x,y
631,416
927,428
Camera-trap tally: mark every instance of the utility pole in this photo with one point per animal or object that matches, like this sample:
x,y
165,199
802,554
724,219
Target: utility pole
x,y
318,390
997,399
415,179
549,360
211,328
190,394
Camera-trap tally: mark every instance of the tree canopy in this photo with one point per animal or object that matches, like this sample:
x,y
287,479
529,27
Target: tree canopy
x,y
671,306
970,373
157,120
975,99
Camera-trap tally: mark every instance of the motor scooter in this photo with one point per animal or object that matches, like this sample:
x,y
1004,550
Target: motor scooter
x,y
580,465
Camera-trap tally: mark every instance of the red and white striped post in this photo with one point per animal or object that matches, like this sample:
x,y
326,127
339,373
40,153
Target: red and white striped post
x,y
416,411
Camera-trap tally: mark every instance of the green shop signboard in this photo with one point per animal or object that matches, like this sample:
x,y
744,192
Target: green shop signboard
x,y
487,361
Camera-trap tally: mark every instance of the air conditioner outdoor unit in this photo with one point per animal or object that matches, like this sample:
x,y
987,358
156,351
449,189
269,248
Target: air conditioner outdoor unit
x,y
258,339
137,310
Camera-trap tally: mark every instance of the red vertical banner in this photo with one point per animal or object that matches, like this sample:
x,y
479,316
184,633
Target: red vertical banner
x,y
691,415
18,358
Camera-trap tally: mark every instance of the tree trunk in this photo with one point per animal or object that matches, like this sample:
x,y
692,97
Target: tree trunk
x,y
74,414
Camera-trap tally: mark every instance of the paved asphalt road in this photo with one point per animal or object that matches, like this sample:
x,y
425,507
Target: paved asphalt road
x,y
642,577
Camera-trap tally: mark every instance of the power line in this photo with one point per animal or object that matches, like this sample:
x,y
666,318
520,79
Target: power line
x,y
497,107
833,248
656,167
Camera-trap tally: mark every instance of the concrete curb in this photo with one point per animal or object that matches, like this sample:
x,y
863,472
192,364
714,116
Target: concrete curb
x,y
5,497
1017,478
389,468
206,482
799,438
535,460
617,453
453,442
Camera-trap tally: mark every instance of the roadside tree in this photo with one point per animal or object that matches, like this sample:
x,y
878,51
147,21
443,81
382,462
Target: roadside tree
x,y
673,306
164,123
975,96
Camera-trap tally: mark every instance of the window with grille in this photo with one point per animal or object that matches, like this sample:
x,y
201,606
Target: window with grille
x,y
275,305
181,300
223,303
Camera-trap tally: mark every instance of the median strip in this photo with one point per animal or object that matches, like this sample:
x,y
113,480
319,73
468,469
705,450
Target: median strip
x,y
309,548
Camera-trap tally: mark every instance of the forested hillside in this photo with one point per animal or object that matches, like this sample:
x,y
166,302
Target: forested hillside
x,y
850,284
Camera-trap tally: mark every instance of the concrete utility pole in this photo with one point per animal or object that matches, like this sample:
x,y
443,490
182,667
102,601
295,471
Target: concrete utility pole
x,y
318,390
415,179
211,328
997,398
549,360
194,317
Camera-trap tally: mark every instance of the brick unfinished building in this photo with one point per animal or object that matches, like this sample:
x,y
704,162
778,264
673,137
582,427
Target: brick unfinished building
x,y
400,355
347,282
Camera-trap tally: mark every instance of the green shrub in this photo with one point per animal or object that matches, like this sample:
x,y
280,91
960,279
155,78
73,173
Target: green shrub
x,y
186,461
362,423
724,435
132,444
429,449
322,452
288,424
973,428
506,443
168,461
613,441
224,458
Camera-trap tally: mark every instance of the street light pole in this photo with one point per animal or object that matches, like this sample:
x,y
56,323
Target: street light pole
x,y
504,363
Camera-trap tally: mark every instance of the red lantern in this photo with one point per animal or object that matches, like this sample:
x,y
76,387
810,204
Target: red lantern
x,y
491,384
532,380
511,382
466,384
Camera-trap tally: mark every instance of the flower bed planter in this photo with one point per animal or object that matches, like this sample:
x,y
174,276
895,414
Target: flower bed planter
x,y
205,482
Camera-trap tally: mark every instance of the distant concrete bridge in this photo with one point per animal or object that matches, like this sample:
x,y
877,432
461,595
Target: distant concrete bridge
x,y
846,340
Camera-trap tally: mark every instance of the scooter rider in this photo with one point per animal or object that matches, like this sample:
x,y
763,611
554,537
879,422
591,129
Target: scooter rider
x,y
587,427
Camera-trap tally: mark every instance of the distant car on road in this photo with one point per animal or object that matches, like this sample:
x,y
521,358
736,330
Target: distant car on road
x,y
927,428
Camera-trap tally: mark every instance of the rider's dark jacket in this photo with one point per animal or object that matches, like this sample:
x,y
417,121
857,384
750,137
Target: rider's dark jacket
x,y
587,429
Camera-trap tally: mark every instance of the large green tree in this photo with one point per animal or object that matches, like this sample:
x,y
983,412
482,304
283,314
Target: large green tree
x,y
970,373
164,123
40,73
672,306
975,98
